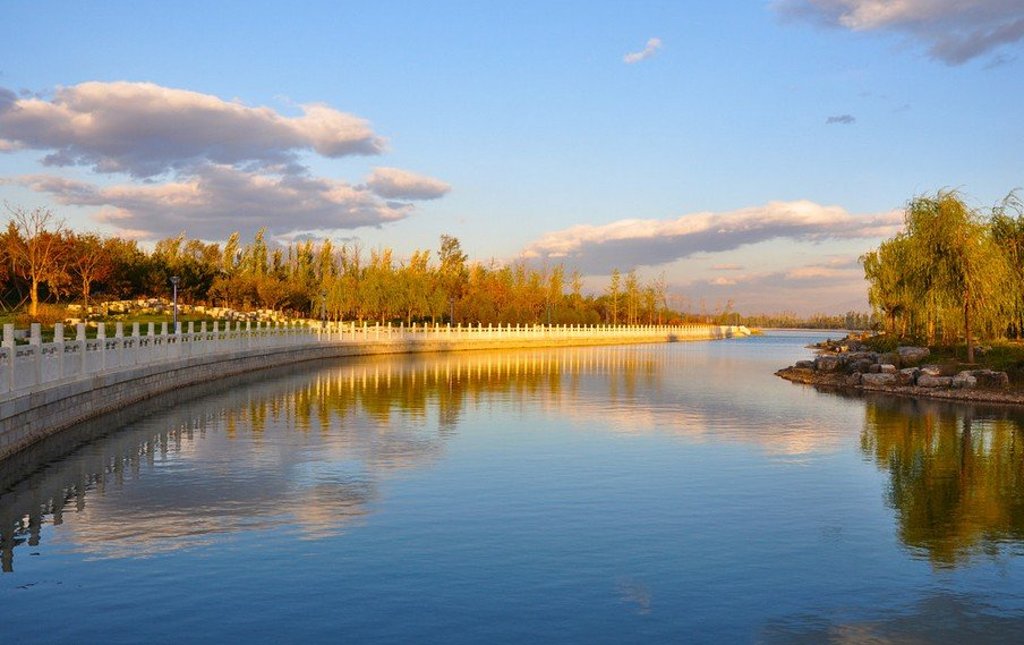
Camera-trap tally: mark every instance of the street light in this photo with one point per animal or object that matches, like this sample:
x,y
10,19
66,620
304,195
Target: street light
x,y
323,308
174,282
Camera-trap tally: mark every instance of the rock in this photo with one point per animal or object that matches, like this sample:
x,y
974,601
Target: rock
x,y
931,370
806,365
907,376
877,379
991,379
889,358
875,369
911,355
927,380
859,356
827,363
887,368
965,381
854,379
860,366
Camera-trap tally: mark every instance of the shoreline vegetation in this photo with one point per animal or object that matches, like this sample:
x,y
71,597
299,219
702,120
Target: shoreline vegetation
x,y
50,273
870,363
948,291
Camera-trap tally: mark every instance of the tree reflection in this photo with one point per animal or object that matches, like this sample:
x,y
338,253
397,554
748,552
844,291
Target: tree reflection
x,y
351,424
956,475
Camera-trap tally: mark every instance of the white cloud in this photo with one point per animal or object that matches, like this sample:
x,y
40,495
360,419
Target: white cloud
x,y
637,242
652,46
833,286
145,130
393,183
202,164
216,200
954,31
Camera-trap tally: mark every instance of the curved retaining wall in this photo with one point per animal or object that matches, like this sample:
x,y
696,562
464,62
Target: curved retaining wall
x,y
29,417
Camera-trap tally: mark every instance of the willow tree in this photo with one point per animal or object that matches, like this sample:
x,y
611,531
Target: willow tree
x,y
891,290
952,246
1008,233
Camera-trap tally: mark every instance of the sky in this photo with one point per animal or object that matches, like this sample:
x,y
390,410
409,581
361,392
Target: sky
x,y
749,152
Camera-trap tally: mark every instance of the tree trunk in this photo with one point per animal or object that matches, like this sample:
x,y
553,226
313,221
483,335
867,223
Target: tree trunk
x,y
33,294
967,330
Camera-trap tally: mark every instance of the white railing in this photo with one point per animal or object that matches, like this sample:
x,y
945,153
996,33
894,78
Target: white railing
x,y
25,367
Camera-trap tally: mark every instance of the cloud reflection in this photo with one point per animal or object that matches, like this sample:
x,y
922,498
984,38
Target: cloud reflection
x,y
305,450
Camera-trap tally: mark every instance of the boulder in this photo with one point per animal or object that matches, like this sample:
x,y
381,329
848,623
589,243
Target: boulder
x,y
912,355
965,381
875,369
859,356
827,363
907,376
877,380
806,365
991,379
889,358
887,368
860,366
927,380
931,370
854,379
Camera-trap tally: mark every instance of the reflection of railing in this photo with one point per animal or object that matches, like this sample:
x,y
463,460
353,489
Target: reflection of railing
x,y
28,367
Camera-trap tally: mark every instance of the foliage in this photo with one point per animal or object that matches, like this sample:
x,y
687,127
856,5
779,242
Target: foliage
x,y
41,261
951,273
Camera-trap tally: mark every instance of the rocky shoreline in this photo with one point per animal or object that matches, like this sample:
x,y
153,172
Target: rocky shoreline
x,y
904,372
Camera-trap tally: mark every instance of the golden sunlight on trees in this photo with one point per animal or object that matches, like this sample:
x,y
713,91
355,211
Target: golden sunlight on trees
x,y
36,250
42,261
951,273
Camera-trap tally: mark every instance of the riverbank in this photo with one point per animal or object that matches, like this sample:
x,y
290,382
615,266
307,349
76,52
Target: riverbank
x,y
851,364
838,382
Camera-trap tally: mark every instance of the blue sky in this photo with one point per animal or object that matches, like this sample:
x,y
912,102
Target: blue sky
x,y
756,152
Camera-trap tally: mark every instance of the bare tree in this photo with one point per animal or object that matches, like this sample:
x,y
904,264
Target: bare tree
x,y
38,252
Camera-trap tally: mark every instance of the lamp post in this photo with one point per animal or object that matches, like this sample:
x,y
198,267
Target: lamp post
x,y
323,308
174,299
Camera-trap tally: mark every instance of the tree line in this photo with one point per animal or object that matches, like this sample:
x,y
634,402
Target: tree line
x,y
42,261
954,273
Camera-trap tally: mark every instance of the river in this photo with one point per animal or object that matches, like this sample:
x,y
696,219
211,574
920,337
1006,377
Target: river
x,y
654,493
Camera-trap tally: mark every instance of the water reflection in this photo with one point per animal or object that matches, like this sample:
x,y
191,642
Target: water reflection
x,y
306,448
939,618
956,475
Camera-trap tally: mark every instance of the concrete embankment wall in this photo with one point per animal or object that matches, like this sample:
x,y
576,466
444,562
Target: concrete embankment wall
x,y
28,417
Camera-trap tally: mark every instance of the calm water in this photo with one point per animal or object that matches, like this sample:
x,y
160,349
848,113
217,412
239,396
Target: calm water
x,y
663,493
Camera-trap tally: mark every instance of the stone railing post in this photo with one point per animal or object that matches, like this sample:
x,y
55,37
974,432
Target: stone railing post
x,y
101,337
8,344
58,346
83,345
136,343
35,340
119,336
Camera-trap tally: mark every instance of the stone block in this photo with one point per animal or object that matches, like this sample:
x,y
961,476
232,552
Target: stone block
x,y
887,368
965,381
991,379
889,358
911,355
927,380
878,379
827,363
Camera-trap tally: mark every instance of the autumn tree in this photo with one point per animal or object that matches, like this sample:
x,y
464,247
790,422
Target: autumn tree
x,y
38,251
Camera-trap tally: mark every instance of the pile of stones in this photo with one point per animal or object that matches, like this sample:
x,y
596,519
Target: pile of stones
x,y
900,368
